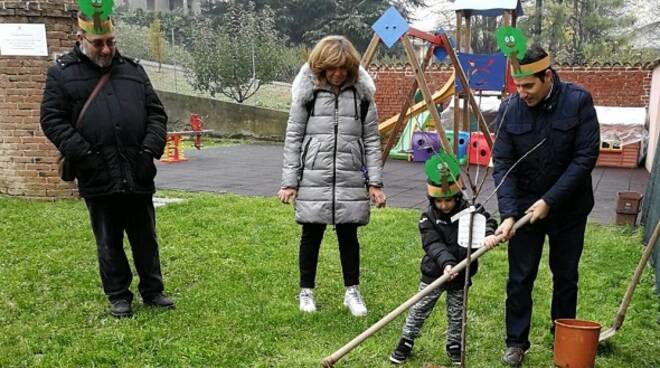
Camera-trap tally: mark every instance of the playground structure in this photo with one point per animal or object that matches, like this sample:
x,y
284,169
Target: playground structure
x,y
173,151
467,72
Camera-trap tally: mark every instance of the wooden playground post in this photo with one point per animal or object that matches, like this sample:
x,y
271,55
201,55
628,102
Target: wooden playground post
x,y
370,52
426,92
467,40
457,98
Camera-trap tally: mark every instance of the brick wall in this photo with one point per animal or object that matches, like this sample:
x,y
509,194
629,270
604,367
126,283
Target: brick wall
x,y
28,161
610,86
393,83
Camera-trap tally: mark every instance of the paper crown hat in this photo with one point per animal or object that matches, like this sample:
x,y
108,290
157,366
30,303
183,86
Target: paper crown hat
x,y
94,16
443,176
532,68
513,44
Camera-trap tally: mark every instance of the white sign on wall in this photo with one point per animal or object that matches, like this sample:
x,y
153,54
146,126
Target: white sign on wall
x,y
23,40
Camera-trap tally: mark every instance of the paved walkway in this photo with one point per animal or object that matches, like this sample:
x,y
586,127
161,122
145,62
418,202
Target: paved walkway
x,y
255,169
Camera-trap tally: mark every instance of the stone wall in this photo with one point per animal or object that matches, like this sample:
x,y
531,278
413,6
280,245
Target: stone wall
x,y
226,119
28,161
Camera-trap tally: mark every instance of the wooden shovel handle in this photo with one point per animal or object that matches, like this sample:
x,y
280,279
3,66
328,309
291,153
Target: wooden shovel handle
x,y
621,313
330,360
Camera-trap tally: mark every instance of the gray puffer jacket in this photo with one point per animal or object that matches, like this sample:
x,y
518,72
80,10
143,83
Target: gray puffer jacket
x,y
330,155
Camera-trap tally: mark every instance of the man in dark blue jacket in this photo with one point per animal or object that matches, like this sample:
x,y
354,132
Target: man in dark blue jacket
x,y
110,148
554,124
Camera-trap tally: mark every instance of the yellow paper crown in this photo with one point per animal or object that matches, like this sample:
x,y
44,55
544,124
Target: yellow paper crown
x,y
532,68
102,28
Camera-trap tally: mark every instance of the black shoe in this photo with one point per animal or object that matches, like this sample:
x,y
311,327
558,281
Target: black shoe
x,y
454,353
402,351
159,300
121,308
513,356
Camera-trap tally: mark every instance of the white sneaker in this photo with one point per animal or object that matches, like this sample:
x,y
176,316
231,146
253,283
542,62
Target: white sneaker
x,y
353,300
307,303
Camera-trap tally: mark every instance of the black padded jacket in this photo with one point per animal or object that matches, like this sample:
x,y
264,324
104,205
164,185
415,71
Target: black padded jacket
x,y
122,131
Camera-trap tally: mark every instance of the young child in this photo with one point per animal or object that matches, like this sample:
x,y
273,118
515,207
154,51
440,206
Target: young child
x,y
442,252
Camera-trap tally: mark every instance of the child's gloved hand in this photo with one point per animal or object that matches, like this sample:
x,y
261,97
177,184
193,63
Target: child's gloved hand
x,y
448,271
490,241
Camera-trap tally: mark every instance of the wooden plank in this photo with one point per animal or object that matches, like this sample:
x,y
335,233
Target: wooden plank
x,y
457,96
426,36
459,28
369,54
467,47
466,114
467,43
463,112
457,115
423,86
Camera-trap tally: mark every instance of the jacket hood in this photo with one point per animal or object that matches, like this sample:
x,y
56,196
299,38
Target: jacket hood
x,y
302,89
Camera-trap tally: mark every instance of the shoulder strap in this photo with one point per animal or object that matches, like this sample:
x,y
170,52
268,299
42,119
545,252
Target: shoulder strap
x,y
99,86
364,109
309,105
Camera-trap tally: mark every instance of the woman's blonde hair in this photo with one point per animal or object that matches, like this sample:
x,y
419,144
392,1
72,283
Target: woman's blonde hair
x,y
334,52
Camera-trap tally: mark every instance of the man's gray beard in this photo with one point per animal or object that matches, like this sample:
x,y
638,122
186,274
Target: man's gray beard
x,y
96,61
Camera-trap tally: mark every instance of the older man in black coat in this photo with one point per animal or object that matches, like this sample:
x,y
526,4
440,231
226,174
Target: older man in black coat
x,y
110,149
555,122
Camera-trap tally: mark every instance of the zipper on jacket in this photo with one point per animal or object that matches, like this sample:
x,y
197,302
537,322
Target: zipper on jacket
x,y
334,158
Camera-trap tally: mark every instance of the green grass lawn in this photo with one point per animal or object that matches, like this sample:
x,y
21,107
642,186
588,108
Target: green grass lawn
x,y
231,264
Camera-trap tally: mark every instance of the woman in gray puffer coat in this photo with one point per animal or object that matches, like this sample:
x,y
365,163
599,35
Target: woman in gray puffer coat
x,y
332,163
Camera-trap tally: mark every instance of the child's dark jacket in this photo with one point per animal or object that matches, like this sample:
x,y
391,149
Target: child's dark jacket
x,y
440,243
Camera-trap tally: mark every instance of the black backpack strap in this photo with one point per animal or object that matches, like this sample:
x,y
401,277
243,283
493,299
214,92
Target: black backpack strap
x,y
309,105
364,109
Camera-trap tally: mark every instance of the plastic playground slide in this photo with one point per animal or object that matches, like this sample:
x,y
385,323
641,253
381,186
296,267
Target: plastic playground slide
x,y
439,96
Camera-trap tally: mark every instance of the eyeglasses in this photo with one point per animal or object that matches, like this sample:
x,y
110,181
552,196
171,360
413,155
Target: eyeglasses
x,y
98,44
